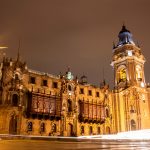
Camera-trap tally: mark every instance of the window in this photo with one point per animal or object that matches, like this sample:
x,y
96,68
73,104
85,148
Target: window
x,y
81,106
138,73
98,130
30,126
54,129
133,125
82,130
90,92
122,77
42,127
132,109
69,88
15,99
16,77
69,105
90,130
55,85
44,83
107,112
81,91
32,80
97,94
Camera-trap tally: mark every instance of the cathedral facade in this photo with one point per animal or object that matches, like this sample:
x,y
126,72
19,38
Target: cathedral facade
x,y
37,103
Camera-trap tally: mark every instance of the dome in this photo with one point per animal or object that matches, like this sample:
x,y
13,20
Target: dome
x,y
125,37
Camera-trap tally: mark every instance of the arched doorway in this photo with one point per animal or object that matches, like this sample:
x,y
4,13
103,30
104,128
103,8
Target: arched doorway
x,y
98,130
82,130
70,130
133,125
107,130
13,125
15,100
90,130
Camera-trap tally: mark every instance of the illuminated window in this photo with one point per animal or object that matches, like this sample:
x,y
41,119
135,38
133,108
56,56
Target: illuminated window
x,y
138,73
122,75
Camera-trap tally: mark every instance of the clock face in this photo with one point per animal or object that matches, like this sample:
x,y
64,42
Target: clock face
x,y
129,53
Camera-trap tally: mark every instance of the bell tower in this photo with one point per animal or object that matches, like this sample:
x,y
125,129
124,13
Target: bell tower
x,y
131,102
128,62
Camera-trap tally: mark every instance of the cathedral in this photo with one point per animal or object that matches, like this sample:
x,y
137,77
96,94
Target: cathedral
x,y
38,103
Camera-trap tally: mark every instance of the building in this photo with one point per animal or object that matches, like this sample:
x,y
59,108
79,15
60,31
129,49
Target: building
x,y
36,103
131,94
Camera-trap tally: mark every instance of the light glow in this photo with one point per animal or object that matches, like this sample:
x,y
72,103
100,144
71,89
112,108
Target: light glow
x,y
129,53
3,47
131,135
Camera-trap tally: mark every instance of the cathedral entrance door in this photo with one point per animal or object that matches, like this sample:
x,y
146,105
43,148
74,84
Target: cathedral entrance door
x,y
70,129
13,125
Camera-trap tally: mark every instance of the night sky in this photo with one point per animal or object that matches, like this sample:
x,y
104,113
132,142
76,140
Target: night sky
x,y
55,34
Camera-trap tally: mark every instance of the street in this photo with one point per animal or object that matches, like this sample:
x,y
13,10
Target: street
x,y
57,145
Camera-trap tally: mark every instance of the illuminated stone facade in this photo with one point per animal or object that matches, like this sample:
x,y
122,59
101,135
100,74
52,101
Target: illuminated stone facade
x,y
35,103
131,93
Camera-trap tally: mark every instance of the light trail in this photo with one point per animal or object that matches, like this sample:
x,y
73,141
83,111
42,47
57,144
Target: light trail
x,y
3,47
131,135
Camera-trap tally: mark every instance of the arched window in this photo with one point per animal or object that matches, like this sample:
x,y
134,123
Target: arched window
x,y
133,125
69,105
82,130
42,127
107,112
15,99
69,88
138,73
122,77
81,107
132,109
30,126
16,76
